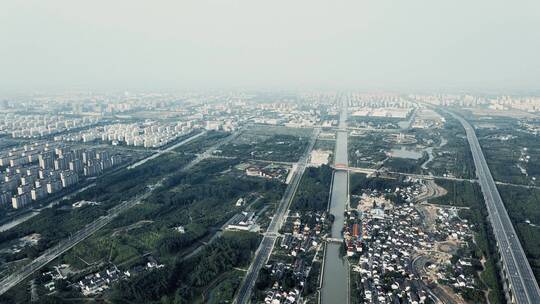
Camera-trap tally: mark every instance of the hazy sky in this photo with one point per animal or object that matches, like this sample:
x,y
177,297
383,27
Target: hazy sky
x,y
365,44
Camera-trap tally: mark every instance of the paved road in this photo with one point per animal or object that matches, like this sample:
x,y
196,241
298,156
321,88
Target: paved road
x,y
437,294
210,151
520,277
267,244
419,176
432,191
430,177
171,148
52,253
26,217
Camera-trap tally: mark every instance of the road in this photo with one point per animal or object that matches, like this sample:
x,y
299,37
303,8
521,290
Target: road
x,y
171,148
267,244
19,220
210,151
414,175
25,217
437,294
417,265
215,236
429,177
432,191
52,253
518,272
15,222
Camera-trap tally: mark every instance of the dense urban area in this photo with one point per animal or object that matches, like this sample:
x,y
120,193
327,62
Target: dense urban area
x,y
259,197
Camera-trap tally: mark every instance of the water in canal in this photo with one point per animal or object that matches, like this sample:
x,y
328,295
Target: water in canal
x,y
335,289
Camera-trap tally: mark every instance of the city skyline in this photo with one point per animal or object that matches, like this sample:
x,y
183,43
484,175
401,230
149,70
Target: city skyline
x,y
272,152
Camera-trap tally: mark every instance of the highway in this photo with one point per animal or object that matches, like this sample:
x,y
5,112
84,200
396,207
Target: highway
x,y
517,271
77,237
26,217
210,151
52,253
267,244
171,148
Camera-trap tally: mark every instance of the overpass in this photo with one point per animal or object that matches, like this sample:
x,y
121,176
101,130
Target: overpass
x,y
414,175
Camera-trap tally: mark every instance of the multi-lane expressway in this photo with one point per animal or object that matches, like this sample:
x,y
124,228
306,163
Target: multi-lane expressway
x,y
77,237
267,244
169,149
52,253
210,151
517,273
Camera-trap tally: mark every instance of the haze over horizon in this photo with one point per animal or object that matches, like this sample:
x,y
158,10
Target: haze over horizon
x,y
172,45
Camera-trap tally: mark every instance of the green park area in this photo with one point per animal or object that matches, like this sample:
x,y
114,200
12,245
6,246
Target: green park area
x,y
179,225
268,143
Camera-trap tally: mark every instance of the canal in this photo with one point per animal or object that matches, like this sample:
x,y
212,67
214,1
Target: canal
x,y
335,287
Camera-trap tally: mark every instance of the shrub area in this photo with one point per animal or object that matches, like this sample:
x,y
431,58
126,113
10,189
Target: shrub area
x,y
314,189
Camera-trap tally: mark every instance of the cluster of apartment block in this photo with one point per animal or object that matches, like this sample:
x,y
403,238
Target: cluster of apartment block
x,y
32,173
502,102
35,126
148,135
